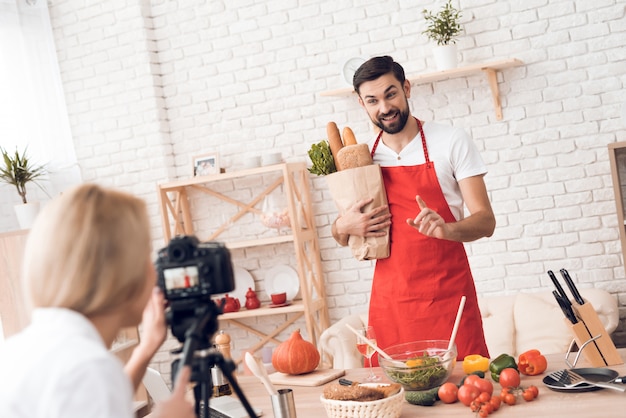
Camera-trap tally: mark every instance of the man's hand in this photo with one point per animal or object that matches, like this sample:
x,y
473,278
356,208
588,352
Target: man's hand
x,y
363,224
428,222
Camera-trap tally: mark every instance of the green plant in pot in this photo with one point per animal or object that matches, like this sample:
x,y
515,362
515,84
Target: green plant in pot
x,y
18,171
444,28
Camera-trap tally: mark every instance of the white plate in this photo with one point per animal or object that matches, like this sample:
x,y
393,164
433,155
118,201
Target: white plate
x,y
281,279
243,281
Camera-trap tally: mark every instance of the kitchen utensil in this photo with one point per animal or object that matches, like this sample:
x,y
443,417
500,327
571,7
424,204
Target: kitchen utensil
x,y
283,404
595,374
572,287
259,371
374,346
557,285
570,379
567,309
419,365
315,378
621,379
457,321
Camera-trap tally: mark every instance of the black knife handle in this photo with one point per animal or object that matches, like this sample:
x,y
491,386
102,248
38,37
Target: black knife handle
x,y
566,307
345,382
572,287
557,285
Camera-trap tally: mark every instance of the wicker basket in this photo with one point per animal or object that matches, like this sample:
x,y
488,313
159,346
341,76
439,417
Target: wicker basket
x,y
390,407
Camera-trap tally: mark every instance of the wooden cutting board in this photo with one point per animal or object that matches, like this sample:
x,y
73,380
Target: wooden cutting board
x,y
315,378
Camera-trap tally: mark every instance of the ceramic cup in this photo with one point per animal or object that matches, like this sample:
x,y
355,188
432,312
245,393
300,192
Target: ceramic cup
x,y
252,162
278,298
270,159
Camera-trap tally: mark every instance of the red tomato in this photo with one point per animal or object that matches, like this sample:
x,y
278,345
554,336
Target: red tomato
x,y
509,399
509,378
528,395
495,402
482,384
467,393
484,397
534,390
448,392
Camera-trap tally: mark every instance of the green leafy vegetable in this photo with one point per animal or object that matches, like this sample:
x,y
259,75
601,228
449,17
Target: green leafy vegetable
x,y
322,159
422,377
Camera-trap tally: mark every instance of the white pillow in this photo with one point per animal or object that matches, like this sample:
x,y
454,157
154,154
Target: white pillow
x,y
540,324
497,316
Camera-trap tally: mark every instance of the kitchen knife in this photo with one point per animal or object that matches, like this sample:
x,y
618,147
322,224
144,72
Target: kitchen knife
x,y
558,285
572,287
566,307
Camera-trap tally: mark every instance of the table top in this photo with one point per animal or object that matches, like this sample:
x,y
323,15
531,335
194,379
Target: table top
x,y
605,402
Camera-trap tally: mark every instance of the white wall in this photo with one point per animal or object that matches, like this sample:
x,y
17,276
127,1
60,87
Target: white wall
x,y
150,85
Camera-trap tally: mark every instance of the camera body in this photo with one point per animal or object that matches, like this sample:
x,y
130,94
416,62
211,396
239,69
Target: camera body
x,y
188,273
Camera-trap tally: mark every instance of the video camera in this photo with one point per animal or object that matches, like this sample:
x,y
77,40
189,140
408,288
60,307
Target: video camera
x,y
189,272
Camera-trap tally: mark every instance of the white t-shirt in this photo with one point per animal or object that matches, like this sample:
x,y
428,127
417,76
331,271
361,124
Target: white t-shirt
x,y
59,367
451,150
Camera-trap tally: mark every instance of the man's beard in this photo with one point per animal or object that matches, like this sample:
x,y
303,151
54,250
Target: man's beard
x,y
394,128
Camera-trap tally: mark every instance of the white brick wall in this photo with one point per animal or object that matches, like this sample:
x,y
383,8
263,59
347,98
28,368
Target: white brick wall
x,y
146,92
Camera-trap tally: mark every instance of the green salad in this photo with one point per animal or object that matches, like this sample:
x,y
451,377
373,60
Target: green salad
x,y
423,376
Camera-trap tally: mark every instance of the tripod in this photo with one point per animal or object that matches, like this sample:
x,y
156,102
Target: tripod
x,y
201,358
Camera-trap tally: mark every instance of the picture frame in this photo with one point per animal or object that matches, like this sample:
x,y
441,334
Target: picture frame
x,y
206,164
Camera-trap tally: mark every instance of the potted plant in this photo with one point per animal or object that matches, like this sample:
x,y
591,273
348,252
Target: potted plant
x,y
444,28
18,171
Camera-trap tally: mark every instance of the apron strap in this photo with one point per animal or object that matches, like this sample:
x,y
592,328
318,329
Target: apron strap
x,y
421,131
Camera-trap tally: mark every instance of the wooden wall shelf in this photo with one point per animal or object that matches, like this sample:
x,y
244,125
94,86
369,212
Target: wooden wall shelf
x,y
178,218
490,69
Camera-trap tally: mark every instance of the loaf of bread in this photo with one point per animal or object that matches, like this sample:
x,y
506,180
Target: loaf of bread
x,y
356,392
352,156
348,136
334,141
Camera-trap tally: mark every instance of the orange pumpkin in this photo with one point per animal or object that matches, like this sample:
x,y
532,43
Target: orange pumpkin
x,y
295,355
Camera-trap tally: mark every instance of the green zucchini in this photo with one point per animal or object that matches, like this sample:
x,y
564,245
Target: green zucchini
x,y
422,397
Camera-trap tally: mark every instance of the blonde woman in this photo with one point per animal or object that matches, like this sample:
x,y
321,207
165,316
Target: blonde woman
x,y
87,274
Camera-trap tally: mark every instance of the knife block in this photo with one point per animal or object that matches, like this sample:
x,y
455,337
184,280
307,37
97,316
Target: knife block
x,y
602,351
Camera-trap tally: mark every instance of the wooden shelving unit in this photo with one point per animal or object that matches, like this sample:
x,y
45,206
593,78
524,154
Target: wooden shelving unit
x,y
617,159
178,219
490,70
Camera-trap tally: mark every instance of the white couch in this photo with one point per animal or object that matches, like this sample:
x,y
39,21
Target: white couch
x,y
512,325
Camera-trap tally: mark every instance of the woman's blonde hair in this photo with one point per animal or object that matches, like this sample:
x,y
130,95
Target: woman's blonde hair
x,y
88,251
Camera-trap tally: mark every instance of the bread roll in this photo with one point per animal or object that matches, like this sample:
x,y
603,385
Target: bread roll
x,y
356,392
352,156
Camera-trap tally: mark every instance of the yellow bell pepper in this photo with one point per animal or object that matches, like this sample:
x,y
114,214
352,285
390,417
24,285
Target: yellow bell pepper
x,y
475,363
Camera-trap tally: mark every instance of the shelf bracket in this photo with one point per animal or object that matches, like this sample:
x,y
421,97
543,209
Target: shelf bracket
x,y
492,78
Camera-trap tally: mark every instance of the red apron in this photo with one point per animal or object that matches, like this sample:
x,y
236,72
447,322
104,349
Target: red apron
x,y
416,291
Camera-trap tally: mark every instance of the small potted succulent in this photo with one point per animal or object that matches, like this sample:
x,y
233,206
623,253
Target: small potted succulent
x,y
444,28
18,171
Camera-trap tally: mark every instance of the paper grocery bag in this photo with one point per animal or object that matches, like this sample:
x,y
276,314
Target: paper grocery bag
x,y
351,185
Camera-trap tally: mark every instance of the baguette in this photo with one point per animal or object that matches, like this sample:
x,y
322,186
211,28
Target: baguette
x,y
352,156
348,137
334,140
